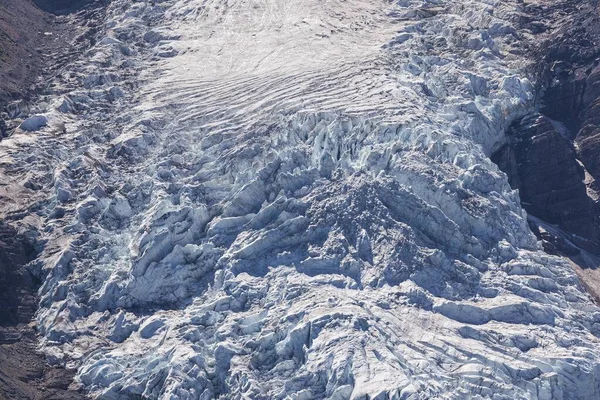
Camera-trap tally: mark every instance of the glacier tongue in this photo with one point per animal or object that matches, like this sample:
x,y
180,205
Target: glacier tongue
x,y
293,199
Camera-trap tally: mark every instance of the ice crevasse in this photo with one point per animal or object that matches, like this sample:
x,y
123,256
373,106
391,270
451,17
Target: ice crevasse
x,y
276,199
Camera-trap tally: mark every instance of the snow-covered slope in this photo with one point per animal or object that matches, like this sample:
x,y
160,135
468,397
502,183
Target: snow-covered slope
x,y
293,199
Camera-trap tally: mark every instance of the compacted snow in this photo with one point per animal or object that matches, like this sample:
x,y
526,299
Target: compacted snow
x,y
292,199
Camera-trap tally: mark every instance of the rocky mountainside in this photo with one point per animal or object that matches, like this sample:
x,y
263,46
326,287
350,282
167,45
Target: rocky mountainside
x,y
317,199
34,46
35,43
551,154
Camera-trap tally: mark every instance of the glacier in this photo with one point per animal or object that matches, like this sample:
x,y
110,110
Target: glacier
x,y
276,199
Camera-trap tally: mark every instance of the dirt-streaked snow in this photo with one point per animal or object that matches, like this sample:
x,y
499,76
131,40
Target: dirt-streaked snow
x,y
293,199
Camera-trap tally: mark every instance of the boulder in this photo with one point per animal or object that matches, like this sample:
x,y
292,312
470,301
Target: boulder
x,y
34,123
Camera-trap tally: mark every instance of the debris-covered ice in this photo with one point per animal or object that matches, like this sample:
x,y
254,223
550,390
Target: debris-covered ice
x,y
277,199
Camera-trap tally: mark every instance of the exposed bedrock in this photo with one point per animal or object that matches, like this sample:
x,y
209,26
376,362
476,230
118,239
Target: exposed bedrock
x,y
542,163
588,136
553,157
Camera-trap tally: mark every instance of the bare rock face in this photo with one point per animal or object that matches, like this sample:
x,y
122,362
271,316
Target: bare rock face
x,y
572,83
553,157
542,163
588,137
